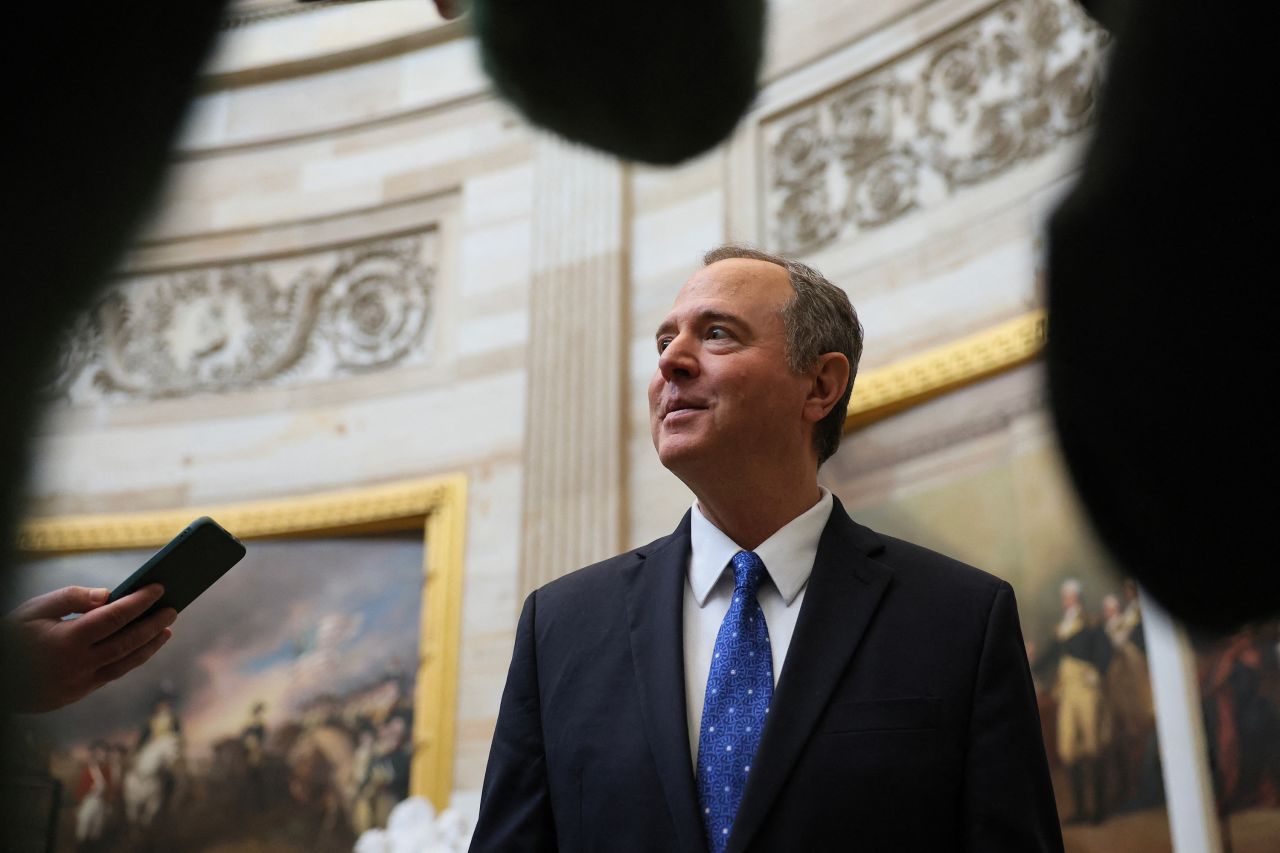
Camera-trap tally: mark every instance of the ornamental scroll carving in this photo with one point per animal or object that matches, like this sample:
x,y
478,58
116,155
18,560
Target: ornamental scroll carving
x,y
281,322
999,90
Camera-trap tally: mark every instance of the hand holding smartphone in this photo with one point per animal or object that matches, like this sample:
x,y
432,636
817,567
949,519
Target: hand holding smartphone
x,y
60,660
187,566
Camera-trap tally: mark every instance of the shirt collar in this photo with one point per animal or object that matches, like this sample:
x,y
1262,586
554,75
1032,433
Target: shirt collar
x,y
788,554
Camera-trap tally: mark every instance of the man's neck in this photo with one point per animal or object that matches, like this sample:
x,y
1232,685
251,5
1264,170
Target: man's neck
x,y
750,516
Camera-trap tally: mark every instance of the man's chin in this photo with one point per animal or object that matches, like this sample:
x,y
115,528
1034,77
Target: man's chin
x,y
677,452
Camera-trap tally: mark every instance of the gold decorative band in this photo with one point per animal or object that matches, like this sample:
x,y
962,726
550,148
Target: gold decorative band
x,y
884,391
396,506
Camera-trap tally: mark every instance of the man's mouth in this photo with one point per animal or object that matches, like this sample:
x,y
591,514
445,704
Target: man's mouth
x,y
675,408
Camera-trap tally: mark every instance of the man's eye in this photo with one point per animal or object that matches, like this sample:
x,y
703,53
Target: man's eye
x,y
663,343
716,333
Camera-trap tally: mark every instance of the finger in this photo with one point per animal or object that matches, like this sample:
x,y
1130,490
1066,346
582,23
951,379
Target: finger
x,y
132,637
61,602
450,9
135,659
110,618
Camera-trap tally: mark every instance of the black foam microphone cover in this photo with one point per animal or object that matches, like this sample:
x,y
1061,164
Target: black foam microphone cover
x,y
1161,358
1109,13
657,83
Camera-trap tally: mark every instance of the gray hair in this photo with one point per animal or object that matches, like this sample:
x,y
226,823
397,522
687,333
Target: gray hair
x,y
818,319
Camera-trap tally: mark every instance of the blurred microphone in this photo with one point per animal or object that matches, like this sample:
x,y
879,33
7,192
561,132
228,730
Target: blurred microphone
x,y
450,9
658,83
1109,13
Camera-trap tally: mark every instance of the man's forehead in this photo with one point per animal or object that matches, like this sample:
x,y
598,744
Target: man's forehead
x,y
746,282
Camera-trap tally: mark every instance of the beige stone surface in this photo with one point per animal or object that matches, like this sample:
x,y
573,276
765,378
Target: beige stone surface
x,y
804,30
319,32
490,603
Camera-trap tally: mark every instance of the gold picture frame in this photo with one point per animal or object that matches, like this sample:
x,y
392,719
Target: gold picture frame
x,y
437,506
887,390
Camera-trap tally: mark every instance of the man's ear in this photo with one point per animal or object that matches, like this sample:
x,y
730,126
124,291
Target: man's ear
x,y
828,379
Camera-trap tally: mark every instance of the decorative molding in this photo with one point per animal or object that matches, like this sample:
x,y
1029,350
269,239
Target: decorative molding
x,y
886,390
436,506
244,12
280,322
961,109
435,728
393,506
573,457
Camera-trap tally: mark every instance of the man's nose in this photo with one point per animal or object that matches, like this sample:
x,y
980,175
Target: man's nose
x,y
679,360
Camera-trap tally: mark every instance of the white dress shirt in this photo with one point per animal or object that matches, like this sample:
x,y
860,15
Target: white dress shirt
x,y
787,556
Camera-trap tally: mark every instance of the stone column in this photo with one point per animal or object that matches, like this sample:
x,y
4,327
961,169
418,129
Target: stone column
x,y
574,477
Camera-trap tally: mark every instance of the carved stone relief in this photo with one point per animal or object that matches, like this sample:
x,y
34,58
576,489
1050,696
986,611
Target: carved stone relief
x,y
955,111
286,321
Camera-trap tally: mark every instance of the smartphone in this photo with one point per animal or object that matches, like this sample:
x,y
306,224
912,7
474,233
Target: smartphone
x,y
187,566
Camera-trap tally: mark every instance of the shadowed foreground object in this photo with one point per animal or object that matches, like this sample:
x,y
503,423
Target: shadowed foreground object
x,y
1157,259
106,87
658,83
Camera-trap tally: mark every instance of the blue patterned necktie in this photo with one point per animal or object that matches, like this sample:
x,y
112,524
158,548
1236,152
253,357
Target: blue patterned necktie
x,y
739,688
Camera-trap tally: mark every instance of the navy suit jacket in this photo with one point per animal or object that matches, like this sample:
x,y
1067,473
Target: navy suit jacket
x,y
904,717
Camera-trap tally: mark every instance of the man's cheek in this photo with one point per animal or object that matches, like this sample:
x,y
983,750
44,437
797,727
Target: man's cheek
x,y
655,391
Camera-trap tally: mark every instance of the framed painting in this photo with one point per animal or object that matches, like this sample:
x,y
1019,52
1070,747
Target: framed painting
x,y
308,691
967,465
1239,685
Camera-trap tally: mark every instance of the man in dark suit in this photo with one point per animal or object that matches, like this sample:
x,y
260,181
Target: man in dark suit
x,y
772,675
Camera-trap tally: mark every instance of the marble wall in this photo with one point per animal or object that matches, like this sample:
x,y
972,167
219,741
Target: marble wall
x,y
357,274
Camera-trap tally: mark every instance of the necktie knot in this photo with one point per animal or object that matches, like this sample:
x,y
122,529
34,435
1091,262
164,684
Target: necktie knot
x,y
747,569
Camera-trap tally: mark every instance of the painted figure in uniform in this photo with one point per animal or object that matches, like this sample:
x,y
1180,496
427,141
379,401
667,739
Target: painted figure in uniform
x,y
93,796
150,782
1128,691
253,737
1082,653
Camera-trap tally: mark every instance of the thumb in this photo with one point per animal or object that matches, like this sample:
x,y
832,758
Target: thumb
x,y
61,602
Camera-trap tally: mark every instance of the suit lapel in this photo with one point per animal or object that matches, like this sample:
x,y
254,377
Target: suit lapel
x,y
844,590
655,611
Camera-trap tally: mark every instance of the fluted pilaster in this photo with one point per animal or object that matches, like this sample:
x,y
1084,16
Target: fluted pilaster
x,y
573,458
